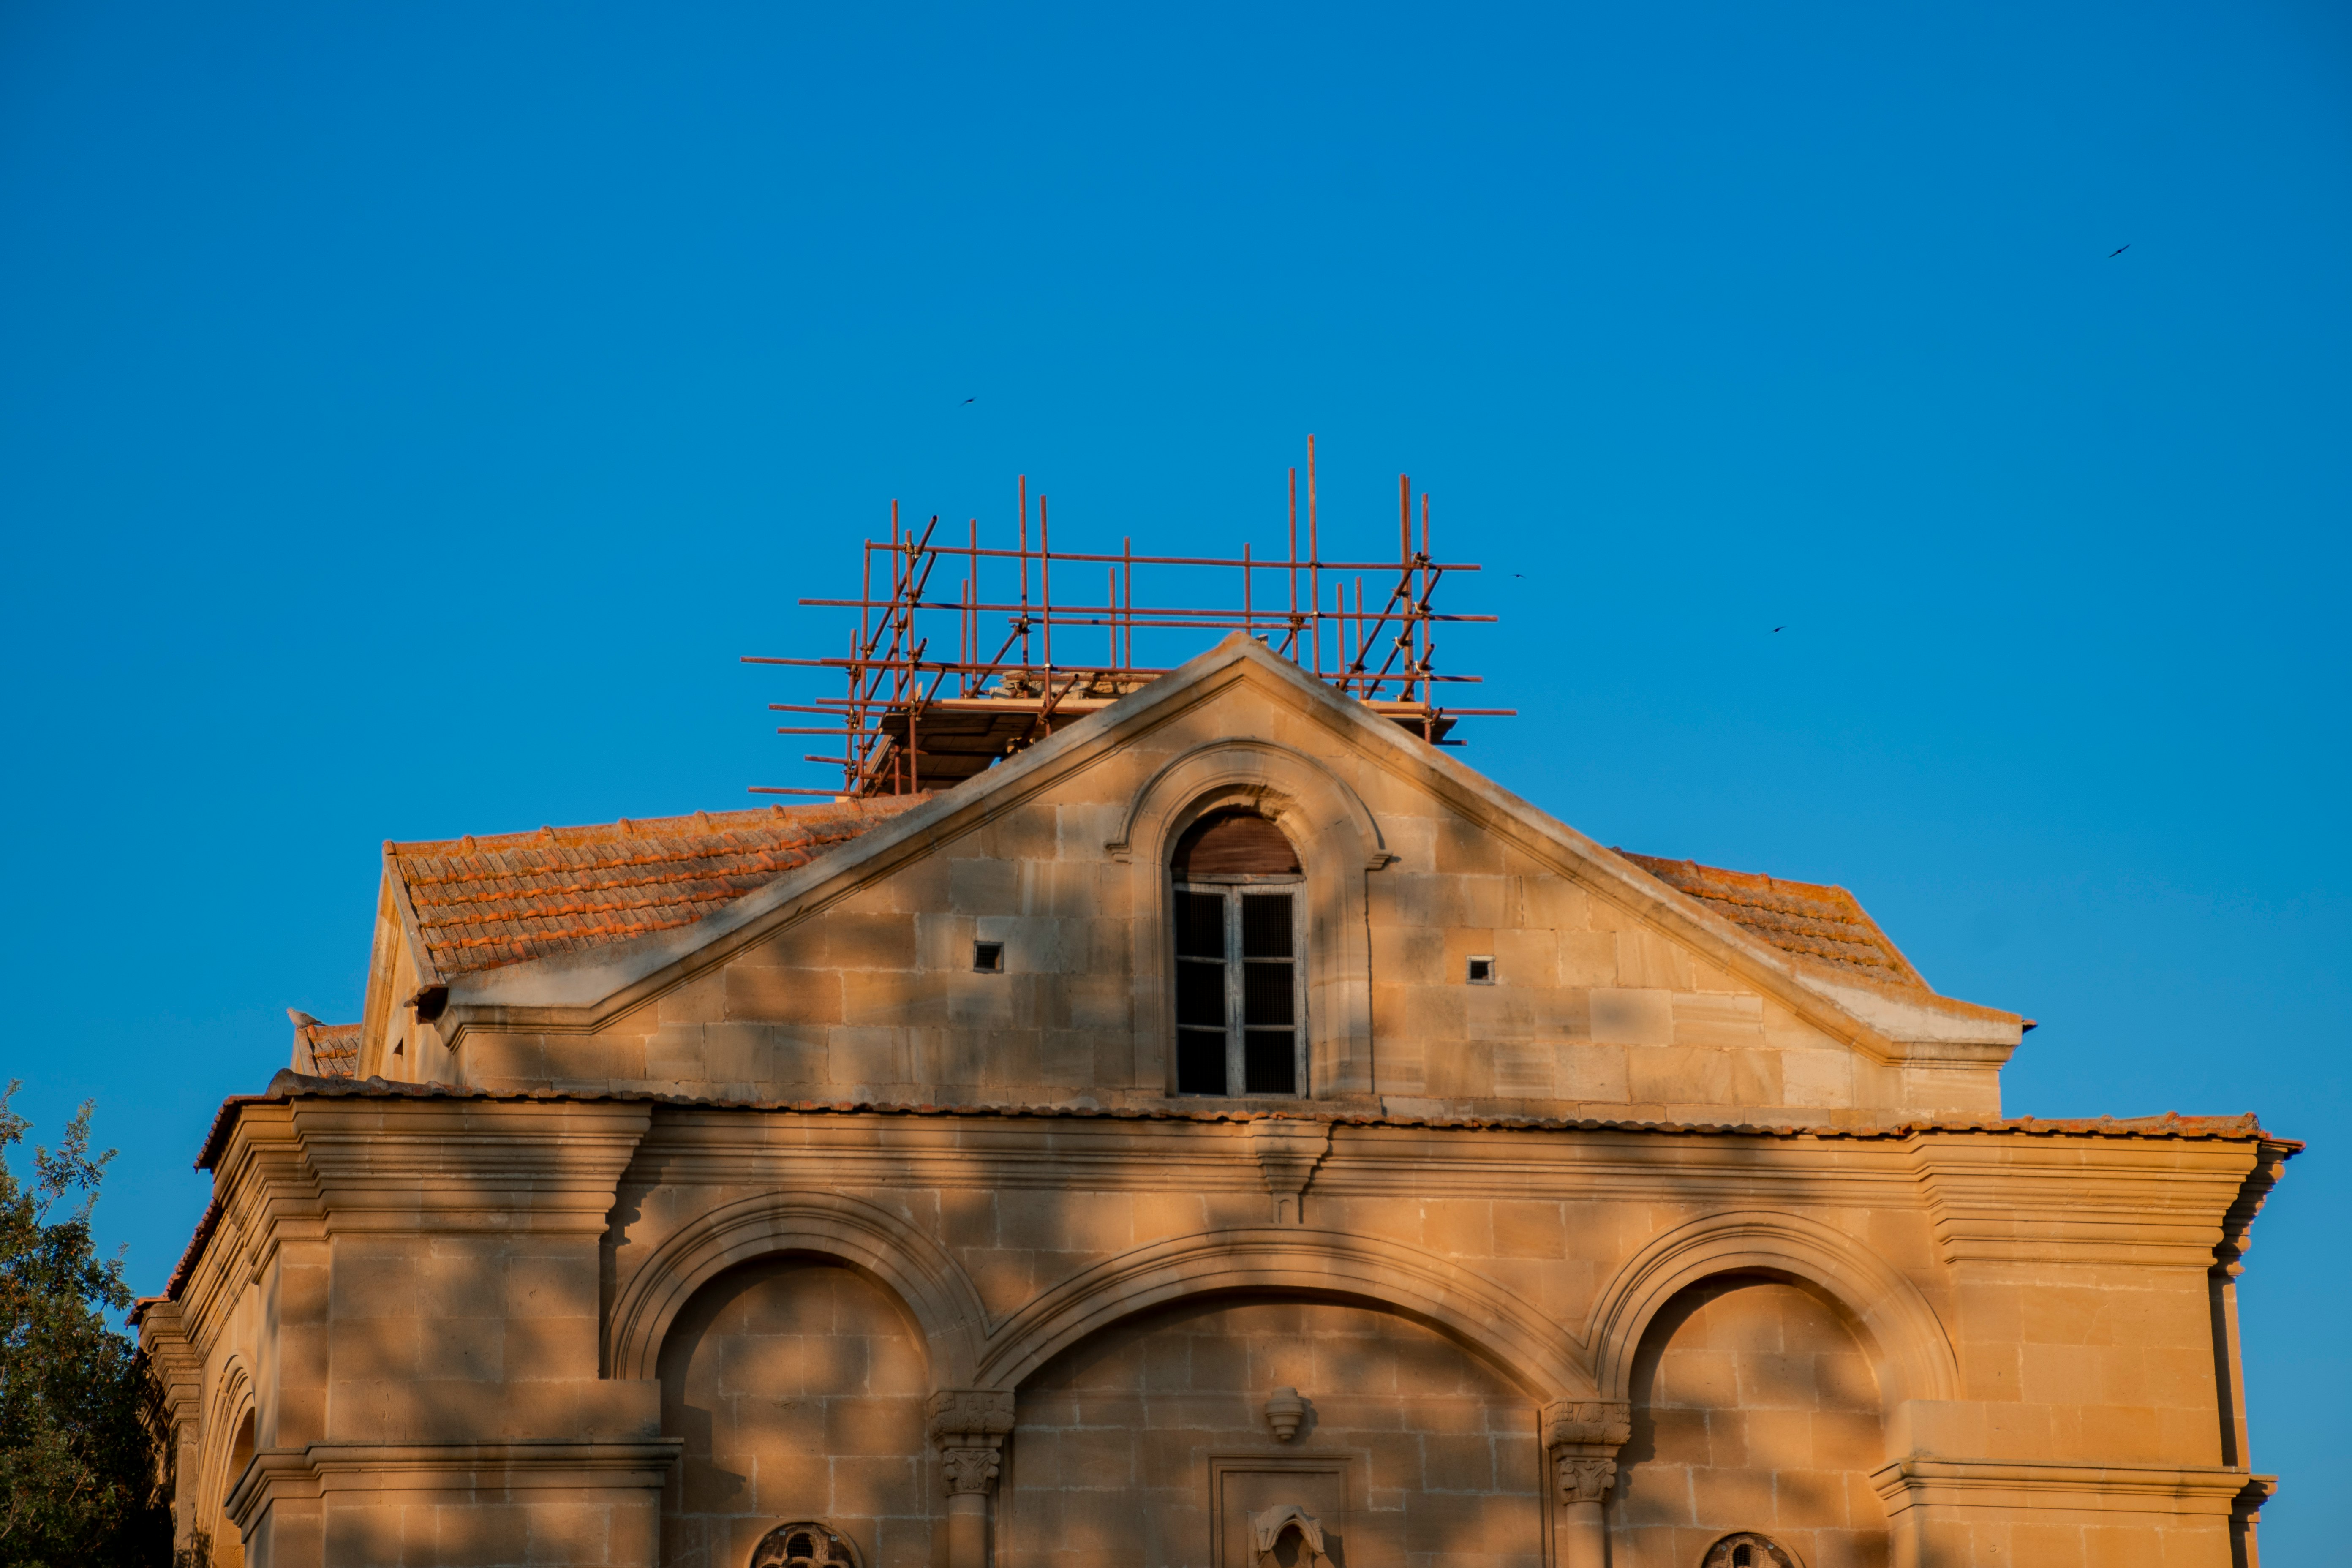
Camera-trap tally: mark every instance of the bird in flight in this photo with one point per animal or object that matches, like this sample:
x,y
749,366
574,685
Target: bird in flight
x,y
2118,250
968,400
1777,628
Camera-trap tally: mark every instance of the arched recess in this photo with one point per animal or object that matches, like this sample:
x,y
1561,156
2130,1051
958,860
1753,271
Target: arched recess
x,y
935,1291
1338,840
1907,1341
230,1444
1531,1350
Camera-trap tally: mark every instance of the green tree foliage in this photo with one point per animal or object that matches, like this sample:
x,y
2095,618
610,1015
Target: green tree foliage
x,y
80,1483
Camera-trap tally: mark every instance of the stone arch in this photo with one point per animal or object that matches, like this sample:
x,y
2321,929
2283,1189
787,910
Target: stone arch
x,y
935,1291
1533,1351
1338,842
794,1387
1908,1346
231,1439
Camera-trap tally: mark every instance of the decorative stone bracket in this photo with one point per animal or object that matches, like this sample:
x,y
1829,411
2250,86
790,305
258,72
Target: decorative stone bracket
x,y
1581,1438
1288,1152
968,1424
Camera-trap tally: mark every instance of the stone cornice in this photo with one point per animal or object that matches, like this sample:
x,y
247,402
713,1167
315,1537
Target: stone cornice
x,y
2156,1204
304,1169
178,1371
2198,1491
700,1147
462,1165
559,1464
263,1195
2270,1162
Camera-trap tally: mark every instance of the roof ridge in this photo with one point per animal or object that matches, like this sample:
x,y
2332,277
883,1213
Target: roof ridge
x,y
691,824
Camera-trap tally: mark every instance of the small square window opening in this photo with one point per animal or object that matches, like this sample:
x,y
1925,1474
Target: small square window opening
x,y
988,957
1482,971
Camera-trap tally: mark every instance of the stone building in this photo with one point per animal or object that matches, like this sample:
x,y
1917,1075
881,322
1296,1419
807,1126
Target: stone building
x,y
1230,1132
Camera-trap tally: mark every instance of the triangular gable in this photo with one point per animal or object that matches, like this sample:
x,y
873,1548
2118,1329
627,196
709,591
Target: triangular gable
x,y
571,989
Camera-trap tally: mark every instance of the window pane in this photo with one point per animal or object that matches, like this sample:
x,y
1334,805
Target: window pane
x,y
1266,925
1200,925
1266,995
1270,1062
1199,1061
1201,994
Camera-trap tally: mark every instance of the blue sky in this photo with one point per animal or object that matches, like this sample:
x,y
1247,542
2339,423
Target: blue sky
x,y
407,416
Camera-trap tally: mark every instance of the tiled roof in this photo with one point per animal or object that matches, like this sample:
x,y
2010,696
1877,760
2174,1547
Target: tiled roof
x,y
1808,920
485,901
336,1049
333,1049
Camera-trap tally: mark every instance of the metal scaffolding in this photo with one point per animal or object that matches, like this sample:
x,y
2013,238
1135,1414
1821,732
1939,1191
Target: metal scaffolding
x,y
912,722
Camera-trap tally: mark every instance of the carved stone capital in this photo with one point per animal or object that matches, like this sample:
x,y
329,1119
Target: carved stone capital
x,y
1607,1422
969,1425
969,1470
1582,1478
1584,1435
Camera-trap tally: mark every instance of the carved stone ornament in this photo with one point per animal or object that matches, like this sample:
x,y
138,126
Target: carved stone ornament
x,y
1583,1480
807,1544
1601,1422
968,1424
1288,1152
1267,1528
979,1412
1284,1413
1584,1435
969,1470
1747,1550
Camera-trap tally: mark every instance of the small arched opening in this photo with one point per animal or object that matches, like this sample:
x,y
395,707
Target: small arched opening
x,y
1745,1549
805,1544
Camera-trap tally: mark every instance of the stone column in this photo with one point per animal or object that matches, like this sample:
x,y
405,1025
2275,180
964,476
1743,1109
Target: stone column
x,y
969,1426
1582,1436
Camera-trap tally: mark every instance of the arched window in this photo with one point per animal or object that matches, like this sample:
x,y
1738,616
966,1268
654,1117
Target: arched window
x,y
807,1544
1240,927
1747,1550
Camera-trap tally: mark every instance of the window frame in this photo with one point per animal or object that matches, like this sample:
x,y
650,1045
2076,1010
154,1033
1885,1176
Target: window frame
x,y
1232,888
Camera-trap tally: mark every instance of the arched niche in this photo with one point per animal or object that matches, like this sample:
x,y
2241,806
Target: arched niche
x,y
1757,1420
933,1291
795,1387
1337,841
1148,1439
1910,1351
230,1443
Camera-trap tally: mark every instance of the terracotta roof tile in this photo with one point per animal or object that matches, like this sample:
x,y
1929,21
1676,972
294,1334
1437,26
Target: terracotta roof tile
x,y
332,1048
336,1049
487,901
1811,922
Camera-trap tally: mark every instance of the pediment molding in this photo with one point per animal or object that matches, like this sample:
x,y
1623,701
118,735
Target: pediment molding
x,y
580,994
